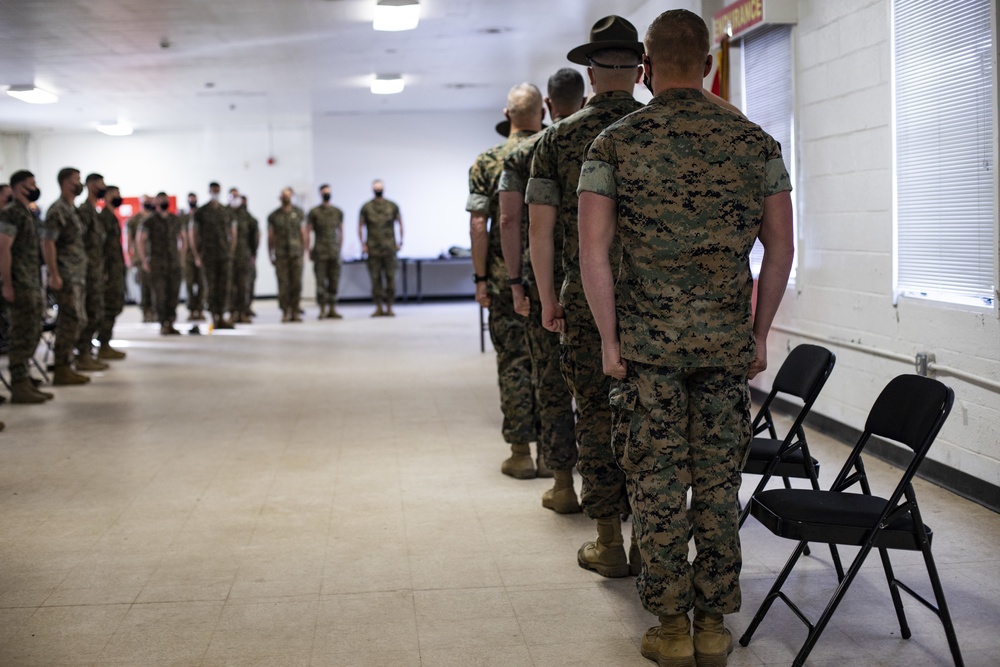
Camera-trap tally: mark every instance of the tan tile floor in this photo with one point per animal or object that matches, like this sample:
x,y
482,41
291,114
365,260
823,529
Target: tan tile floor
x,y
328,493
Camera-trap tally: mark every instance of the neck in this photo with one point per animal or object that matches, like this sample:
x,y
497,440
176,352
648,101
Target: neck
x,y
68,197
610,86
662,82
24,201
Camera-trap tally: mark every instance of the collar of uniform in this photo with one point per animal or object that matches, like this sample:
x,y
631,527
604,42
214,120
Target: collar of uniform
x,y
520,135
679,94
609,97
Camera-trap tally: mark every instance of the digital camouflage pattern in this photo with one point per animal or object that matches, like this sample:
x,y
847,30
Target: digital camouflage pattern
x,y
164,261
514,178
94,234
327,223
288,249
145,290
114,273
18,223
63,225
379,216
247,240
213,224
690,180
555,171
679,428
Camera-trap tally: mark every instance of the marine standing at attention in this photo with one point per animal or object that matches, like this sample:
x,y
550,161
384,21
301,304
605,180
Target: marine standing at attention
x,y
286,242
326,223
380,217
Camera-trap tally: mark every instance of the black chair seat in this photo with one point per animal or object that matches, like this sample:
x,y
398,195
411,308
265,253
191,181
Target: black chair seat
x,y
764,450
831,517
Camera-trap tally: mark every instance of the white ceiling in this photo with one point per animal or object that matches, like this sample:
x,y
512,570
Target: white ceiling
x,y
246,62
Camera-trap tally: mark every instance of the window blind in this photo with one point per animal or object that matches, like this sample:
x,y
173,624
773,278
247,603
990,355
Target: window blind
x,y
767,98
944,164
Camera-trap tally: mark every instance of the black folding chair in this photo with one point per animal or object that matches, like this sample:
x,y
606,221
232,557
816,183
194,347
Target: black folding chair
x,y
910,410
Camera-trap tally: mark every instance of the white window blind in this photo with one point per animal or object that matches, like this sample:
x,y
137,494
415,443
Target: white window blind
x,y
944,165
767,98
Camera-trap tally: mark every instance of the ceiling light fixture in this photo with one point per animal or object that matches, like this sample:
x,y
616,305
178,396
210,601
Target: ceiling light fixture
x,y
387,84
118,129
395,15
32,95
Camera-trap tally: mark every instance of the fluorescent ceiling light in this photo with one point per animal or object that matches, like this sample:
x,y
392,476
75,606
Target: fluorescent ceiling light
x,y
387,84
396,15
118,129
32,95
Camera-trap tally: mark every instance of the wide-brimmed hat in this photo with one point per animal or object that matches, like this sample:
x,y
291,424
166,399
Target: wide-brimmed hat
x,y
503,128
611,32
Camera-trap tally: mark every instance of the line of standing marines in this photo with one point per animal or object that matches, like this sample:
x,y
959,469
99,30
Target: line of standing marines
x,y
612,249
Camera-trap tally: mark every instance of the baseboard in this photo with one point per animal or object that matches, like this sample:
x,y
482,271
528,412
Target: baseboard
x,y
956,481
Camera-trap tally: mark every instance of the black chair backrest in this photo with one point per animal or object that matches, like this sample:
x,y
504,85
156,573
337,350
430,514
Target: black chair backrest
x,y
800,373
911,410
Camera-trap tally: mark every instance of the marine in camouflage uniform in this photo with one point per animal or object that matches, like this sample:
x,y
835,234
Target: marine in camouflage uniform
x,y
379,217
285,231
64,246
508,330
161,233
19,260
213,240
145,289
194,275
556,439
327,225
247,238
94,241
114,275
677,327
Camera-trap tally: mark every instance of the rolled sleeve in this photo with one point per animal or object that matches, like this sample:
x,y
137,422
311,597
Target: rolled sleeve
x,y
511,181
477,203
49,230
543,191
598,177
8,229
776,177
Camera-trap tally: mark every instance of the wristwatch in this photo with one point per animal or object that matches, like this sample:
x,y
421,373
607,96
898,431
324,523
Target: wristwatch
x,y
478,279
516,281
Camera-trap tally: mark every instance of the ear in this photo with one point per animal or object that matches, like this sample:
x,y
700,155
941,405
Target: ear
x,y
506,114
590,76
639,71
708,65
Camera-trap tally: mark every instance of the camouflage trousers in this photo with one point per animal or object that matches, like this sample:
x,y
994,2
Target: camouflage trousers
x,y
114,301
239,302
165,282
382,270
327,273
556,439
677,429
25,317
95,312
289,271
603,494
194,278
145,291
72,303
508,332
216,268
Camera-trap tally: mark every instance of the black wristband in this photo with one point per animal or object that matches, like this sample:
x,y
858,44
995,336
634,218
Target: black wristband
x,y
515,281
478,279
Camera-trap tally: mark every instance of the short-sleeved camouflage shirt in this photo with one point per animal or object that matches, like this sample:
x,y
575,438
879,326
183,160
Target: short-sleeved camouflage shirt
x,y
246,231
287,227
213,224
63,225
162,233
326,222
94,233
690,180
555,172
379,216
484,197
114,260
17,222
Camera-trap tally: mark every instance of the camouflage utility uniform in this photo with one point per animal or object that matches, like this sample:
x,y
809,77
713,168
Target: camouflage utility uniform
x,y
18,223
690,180
287,229
508,330
164,263
194,275
556,439
63,226
247,239
145,289
213,226
379,216
94,235
114,273
555,171
327,223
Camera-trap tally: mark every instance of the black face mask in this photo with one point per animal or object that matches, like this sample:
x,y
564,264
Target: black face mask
x,y
116,202
378,193
34,194
101,192
148,206
77,189
192,203
326,196
165,206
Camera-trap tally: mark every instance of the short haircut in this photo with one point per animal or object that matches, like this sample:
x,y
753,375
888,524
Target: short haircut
x,y
623,57
213,184
192,194
677,41
566,86
524,104
232,190
112,187
93,177
325,186
378,180
19,177
161,194
66,173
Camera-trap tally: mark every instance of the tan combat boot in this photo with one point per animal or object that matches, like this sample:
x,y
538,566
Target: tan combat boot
x,y
541,470
712,640
86,362
378,310
605,555
561,498
669,643
333,314
323,313
284,315
388,310
108,353
519,465
23,391
63,374
296,316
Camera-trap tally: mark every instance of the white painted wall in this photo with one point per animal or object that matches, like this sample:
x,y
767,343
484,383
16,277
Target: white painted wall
x,y
844,285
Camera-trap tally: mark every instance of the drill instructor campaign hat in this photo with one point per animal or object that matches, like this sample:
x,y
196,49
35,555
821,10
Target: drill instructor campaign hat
x,y
611,32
